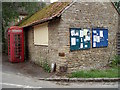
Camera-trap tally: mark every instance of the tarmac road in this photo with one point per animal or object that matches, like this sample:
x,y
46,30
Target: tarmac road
x,y
12,77
21,81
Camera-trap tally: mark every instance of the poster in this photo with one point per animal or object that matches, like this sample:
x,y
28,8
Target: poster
x,y
88,38
94,31
94,38
94,44
85,39
81,40
81,45
72,32
98,39
85,32
77,33
81,33
85,46
101,33
73,41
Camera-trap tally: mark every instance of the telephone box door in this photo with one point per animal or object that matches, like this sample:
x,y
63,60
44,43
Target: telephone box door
x,y
16,44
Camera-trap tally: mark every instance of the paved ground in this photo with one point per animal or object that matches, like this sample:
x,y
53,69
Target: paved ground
x,y
26,75
21,81
25,68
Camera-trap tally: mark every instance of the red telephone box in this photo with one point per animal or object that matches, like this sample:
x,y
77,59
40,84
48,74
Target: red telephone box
x,y
15,44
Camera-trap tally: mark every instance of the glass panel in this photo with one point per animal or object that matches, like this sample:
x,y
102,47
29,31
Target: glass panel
x,y
16,30
17,46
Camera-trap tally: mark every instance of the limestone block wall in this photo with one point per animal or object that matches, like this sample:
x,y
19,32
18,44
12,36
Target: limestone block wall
x,y
79,15
53,42
119,23
36,53
85,15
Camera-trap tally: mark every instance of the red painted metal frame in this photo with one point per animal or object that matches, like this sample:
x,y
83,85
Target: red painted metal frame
x,y
12,48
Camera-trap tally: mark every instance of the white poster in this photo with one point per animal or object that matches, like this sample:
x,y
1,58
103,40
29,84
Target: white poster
x,y
98,38
73,41
94,31
88,38
94,44
85,32
101,33
94,38
81,33
81,40
77,34
85,46
85,39
81,45
72,32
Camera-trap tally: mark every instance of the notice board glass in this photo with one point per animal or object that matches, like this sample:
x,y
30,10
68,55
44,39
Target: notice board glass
x,y
99,37
79,39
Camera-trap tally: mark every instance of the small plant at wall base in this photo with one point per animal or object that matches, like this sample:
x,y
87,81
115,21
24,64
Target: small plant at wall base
x,y
46,67
115,61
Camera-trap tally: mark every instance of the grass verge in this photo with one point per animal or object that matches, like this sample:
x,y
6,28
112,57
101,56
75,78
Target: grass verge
x,y
111,72
108,73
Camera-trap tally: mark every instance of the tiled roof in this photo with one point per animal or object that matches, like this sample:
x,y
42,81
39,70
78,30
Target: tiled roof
x,y
45,14
117,6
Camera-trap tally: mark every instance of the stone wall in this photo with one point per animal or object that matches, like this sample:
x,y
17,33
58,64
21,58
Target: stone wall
x,y
119,23
84,15
53,43
36,53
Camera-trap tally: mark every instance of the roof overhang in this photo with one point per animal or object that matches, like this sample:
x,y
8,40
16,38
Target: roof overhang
x,y
57,15
42,21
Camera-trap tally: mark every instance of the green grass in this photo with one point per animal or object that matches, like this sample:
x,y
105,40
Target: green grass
x,y
108,73
46,67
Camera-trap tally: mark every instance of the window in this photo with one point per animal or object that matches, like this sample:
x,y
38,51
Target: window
x,y
41,34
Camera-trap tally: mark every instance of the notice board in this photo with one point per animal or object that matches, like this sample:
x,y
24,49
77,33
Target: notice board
x,y
99,37
79,39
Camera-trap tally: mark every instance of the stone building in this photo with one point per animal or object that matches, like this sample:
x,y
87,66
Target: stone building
x,y
47,35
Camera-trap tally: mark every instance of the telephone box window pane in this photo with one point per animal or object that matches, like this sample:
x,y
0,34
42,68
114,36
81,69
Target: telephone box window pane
x,y
17,45
17,31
